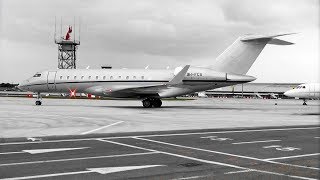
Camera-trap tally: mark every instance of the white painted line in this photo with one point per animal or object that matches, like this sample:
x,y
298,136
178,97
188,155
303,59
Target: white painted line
x,y
289,157
11,153
75,159
87,132
47,175
317,137
108,170
218,152
103,170
191,177
177,155
136,147
252,142
49,141
225,132
209,162
242,171
39,151
154,135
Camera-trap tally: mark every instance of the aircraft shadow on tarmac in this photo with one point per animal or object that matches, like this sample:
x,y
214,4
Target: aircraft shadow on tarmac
x,y
307,114
163,107
179,107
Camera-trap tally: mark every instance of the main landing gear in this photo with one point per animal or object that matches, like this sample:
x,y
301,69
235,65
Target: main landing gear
x,y
39,99
148,103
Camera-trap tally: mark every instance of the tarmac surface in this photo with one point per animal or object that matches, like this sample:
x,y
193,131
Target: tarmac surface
x,y
234,153
208,138
20,117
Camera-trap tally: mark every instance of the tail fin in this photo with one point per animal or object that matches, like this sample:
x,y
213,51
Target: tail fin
x,y
239,57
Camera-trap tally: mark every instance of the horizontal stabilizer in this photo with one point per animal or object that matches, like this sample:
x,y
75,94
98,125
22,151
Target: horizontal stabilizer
x,y
179,77
279,42
261,37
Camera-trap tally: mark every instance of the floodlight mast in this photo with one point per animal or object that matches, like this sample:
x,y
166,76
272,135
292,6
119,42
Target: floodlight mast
x,y
67,47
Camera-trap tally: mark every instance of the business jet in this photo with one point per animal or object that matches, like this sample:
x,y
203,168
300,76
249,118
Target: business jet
x,y
151,85
305,91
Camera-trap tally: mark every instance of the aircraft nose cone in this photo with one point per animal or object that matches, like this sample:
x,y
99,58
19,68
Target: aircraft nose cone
x,y
288,93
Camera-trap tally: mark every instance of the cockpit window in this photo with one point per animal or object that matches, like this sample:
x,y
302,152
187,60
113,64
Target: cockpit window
x,y
37,75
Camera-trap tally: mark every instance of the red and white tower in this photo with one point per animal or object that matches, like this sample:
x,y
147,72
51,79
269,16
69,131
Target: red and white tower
x,y
67,47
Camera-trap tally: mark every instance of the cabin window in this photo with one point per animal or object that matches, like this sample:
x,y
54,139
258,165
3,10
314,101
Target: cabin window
x,y
75,77
119,77
97,77
134,77
303,87
142,77
111,77
104,77
68,77
89,77
60,77
127,77
82,77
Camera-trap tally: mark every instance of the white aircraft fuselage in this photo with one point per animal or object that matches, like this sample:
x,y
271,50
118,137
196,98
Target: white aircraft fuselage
x,y
305,91
129,83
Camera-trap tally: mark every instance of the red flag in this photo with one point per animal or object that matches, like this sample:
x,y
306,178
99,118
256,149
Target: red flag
x,y
68,35
70,29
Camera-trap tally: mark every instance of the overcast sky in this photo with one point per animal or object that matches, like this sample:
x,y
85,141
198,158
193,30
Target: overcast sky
x,y
137,33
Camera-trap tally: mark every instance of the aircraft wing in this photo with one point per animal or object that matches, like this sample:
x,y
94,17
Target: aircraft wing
x,y
143,91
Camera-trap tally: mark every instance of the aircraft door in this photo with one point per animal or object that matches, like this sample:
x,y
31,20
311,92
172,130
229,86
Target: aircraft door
x,y
51,80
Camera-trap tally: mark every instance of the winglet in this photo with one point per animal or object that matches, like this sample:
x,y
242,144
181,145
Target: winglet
x,y
179,77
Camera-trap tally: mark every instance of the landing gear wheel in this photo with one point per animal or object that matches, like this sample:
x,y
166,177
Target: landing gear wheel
x,y
39,98
147,103
157,103
38,103
304,103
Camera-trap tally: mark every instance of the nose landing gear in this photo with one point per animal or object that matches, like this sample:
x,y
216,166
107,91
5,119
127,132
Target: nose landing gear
x,y
148,103
304,102
39,99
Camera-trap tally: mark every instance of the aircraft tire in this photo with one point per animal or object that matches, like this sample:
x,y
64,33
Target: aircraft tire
x,y
147,103
38,103
157,103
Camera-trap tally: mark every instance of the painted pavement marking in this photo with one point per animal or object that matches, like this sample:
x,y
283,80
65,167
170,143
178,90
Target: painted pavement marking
x,y
159,135
289,157
252,142
75,159
39,151
88,132
103,170
223,153
207,161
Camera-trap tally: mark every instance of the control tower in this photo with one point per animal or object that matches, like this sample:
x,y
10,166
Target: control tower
x,y
67,49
